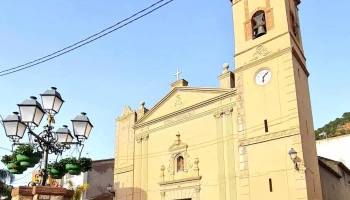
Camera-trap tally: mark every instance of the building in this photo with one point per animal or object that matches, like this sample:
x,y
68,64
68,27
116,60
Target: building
x,y
335,148
98,178
335,179
230,142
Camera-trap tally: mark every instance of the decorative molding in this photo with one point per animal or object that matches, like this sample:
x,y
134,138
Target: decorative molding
x,y
180,117
268,137
225,93
197,189
225,110
264,59
260,51
198,178
145,137
162,193
195,116
138,138
124,169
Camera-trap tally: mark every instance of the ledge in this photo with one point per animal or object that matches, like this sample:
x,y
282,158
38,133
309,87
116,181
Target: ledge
x,y
197,178
43,190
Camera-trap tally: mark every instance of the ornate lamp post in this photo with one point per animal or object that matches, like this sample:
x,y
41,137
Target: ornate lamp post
x,y
48,141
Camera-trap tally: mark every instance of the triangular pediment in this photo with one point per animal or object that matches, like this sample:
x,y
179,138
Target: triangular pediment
x,y
181,98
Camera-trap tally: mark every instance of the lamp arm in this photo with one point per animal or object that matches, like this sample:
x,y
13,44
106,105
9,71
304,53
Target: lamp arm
x,y
37,136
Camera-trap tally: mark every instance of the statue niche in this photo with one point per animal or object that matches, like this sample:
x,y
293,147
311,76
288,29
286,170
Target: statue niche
x,y
180,164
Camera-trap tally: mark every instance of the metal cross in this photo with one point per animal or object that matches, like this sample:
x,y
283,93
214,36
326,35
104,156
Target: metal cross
x,y
177,74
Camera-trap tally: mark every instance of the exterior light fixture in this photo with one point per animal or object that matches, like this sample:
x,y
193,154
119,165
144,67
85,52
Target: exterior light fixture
x,y
293,156
110,189
49,142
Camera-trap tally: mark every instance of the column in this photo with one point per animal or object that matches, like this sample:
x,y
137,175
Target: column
x,y
197,191
220,153
230,156
138,168
144,183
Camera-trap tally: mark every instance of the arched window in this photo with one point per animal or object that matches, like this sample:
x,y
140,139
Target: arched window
x,y
180,164
258,24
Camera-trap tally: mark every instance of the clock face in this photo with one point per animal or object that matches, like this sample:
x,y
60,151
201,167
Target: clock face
x,y
263,77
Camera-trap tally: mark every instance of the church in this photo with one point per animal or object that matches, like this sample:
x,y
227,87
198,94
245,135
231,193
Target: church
x,y
250,139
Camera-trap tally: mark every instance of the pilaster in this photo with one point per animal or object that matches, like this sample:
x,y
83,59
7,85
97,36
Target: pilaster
x,y
144,181
220,151
138,168
243,186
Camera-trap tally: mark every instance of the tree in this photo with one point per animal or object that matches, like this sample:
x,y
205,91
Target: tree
x,y
6,178
78,190
336,127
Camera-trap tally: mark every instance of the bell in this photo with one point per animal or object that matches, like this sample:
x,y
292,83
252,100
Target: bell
x,y
260,31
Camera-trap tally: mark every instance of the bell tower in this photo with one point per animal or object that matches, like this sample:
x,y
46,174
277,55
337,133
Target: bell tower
x,y
273,104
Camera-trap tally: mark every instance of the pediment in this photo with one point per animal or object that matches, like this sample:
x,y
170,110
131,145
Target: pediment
x,y
181,98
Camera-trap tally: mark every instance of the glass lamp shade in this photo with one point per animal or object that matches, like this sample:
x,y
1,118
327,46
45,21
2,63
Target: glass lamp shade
x,y
52,101
64,135
82,126
109,187
292,153
31,111
14,127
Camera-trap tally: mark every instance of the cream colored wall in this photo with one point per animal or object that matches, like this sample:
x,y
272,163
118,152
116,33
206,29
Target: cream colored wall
x,y
284,102
124,155
210,139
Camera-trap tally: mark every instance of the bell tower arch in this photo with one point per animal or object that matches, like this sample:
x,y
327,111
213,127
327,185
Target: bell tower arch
x,y
273,103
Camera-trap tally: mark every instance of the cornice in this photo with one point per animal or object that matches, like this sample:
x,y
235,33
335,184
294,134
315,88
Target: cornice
x,y
267,41
230,92
264,59
268,137
148,131
183,89
198,178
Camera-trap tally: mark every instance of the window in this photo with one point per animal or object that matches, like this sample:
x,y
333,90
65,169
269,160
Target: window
x,y
258,24
180,164
266,126
270,184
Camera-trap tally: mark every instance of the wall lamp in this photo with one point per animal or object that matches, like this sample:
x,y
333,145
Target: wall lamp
x,y
110,190
294,156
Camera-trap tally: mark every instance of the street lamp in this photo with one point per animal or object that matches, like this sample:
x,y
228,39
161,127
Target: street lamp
x,y
293,156
48,141
110,189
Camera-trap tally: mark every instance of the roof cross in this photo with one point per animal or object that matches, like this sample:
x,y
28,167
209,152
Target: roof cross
x,y
177,74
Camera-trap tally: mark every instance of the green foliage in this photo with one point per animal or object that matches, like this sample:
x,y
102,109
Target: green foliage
x,y
59,166
6,159
86,164
24,150
70,160
332,128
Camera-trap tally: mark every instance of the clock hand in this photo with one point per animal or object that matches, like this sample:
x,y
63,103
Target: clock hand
x,y
263,78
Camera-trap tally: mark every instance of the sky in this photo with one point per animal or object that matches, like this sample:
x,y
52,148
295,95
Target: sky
x,y
122,68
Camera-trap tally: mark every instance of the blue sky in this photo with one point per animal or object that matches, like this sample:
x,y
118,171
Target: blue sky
x,y
122,68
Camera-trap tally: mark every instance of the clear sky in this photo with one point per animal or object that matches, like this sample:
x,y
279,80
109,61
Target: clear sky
x,y
138,61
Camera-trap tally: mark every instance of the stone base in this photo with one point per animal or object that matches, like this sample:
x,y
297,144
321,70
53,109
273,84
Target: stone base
x,y
41,193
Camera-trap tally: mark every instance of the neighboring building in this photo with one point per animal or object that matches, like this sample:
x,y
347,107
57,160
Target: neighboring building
x,y
98,178
229,142
335,148
101,175
335,179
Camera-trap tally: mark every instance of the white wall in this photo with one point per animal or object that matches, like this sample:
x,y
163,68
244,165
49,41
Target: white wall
x,y
76,180
336,148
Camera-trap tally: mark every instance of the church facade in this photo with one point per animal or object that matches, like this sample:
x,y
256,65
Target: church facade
x,y
250,139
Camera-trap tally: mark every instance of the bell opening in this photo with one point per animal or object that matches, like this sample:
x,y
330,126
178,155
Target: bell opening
x,y
258,24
